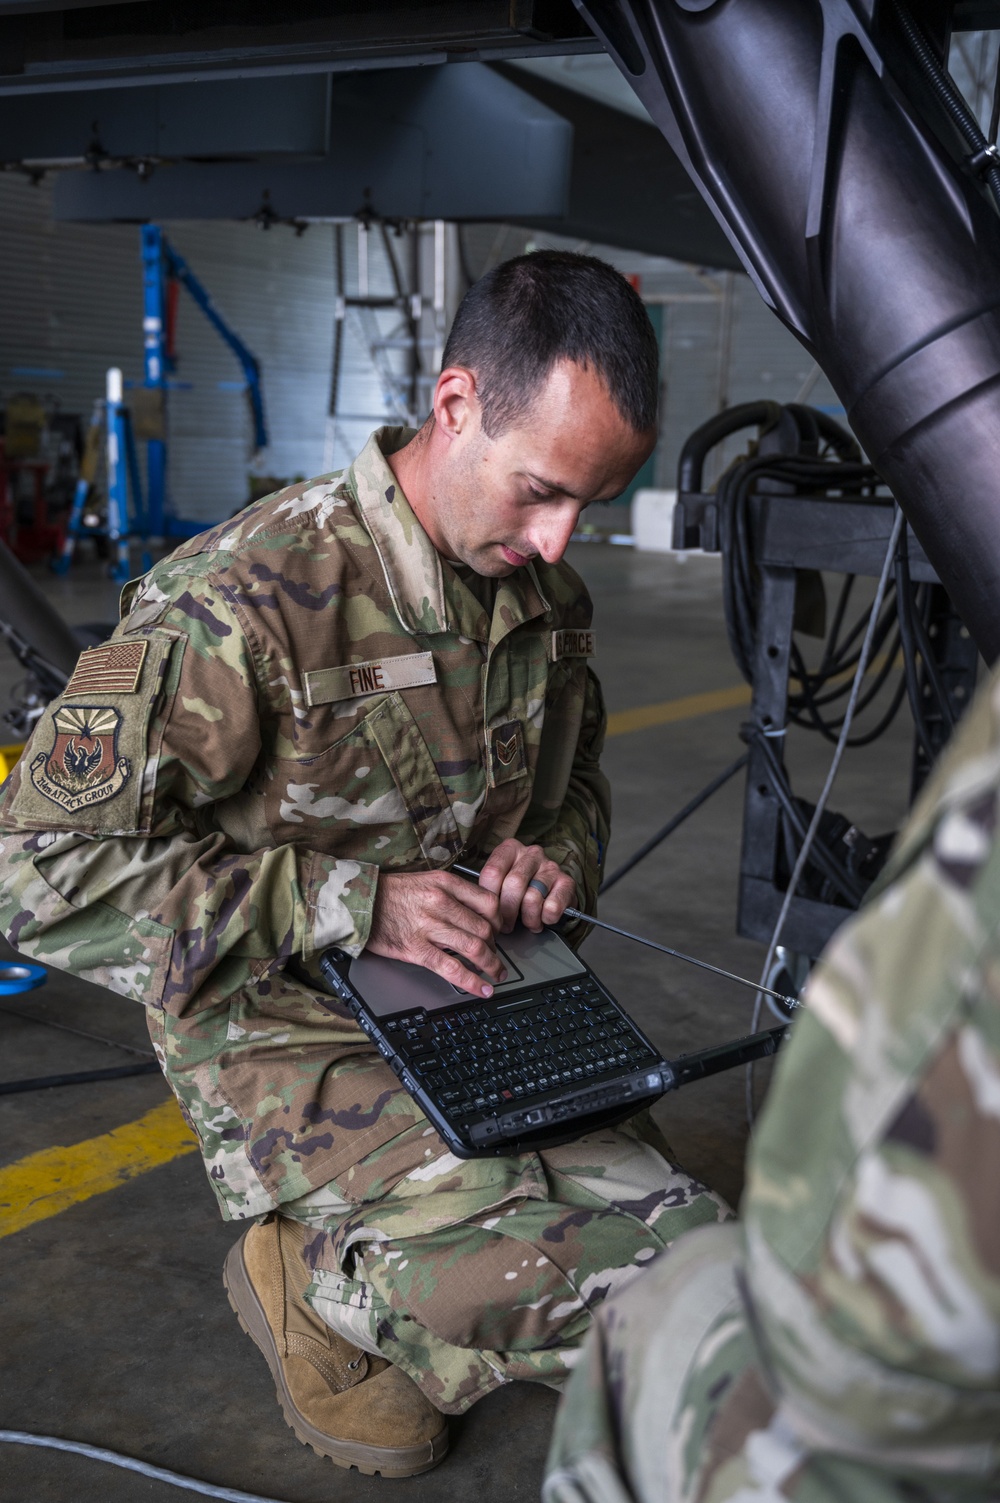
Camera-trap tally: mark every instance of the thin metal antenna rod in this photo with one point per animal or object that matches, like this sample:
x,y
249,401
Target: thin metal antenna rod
x,y
587,918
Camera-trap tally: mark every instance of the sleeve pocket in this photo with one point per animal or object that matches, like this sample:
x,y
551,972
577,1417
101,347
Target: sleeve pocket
x,y
99,943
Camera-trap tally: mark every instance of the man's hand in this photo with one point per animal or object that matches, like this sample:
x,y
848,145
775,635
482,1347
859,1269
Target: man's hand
x,y
509,872
421,916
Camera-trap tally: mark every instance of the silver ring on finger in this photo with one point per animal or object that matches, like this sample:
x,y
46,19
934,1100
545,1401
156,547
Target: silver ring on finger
x,y
539,886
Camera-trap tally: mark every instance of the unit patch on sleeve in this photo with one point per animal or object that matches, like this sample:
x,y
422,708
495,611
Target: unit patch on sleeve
x,y
114,668
83,766
573,644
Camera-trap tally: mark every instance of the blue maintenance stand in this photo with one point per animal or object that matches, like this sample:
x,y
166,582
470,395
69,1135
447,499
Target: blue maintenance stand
x,y
133,511
162,265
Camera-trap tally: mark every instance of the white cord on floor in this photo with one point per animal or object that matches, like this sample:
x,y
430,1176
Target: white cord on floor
x,y
158,1473
821,802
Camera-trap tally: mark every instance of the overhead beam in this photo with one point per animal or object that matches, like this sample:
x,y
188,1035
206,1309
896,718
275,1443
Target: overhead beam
x,y
235,117
147,41
437,143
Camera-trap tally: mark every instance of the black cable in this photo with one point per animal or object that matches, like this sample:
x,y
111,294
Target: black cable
x,y
829,729
672,824
733,495
811,692
950,97
908,643
840,611
813,704
81,1077
837,665
820,854
823,686
928,659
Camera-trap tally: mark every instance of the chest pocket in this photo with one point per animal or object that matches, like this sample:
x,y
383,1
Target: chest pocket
x,y
374,795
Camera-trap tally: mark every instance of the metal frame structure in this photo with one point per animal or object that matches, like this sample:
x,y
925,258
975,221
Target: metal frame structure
x,y
792,535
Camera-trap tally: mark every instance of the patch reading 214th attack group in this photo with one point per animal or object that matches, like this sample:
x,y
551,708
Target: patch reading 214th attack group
x,y
83,766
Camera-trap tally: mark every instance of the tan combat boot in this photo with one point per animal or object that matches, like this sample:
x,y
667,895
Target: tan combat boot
x,y
357,1409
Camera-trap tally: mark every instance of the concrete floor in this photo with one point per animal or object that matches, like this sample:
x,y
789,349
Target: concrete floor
x,y
114,1327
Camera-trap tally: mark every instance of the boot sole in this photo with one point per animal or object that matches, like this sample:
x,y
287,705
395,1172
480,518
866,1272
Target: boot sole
x,y
387,1461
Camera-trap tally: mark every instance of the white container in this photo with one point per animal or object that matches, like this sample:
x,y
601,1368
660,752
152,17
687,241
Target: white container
x,y
653,520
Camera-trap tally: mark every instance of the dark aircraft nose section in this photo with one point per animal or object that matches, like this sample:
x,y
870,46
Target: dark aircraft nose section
x,y
855,186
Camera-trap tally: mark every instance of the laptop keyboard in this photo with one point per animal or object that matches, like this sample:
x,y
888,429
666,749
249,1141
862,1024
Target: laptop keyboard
x,y
480,1059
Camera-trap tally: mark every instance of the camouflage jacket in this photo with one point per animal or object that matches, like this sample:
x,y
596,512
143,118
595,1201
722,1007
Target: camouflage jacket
x,y
294,700
843,1341
872,1211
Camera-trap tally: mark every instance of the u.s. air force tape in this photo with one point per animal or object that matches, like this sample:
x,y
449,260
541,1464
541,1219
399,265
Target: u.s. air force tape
x,y
377,676
573,644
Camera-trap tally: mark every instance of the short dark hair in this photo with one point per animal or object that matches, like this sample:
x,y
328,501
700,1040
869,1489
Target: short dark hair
x,y
527,313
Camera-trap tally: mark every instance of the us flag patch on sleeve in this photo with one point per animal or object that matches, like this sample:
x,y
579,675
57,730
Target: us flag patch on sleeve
x,y
114,668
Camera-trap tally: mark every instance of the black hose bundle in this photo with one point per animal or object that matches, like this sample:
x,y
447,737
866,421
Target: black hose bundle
x,y
816,695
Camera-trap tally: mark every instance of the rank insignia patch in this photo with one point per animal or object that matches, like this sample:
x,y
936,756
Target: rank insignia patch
x,y
507,751
114,668
83,767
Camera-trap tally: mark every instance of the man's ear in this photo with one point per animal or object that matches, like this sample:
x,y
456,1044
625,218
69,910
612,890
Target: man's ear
x,y
456,403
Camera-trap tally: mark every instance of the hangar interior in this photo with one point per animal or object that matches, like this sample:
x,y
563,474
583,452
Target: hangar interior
x,y
229,250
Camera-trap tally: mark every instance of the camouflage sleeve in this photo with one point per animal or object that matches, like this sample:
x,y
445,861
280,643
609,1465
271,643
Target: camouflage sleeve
x,y
574,830
872,1250
148,889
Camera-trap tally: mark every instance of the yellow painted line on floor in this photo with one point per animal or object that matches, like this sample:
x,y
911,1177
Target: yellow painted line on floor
x,y
689,707
45,1183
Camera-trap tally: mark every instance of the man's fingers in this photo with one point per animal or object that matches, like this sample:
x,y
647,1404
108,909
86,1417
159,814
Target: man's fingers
x,y
560,898
448,960
451,916
419,918
471,948
512,894
507,872
510,871
499,863
479,899
539,908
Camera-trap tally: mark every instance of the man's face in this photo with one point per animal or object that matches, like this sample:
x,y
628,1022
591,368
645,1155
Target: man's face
x,y
494,504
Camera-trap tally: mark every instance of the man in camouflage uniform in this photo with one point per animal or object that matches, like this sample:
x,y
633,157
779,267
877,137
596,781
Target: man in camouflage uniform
x,y
843,1341
305,716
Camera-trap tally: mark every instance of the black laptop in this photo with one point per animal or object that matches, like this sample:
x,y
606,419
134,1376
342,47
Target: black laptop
x,y
549,1056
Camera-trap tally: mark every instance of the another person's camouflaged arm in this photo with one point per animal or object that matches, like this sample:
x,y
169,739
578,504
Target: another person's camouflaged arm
x,y
136,891
574,832
872,1213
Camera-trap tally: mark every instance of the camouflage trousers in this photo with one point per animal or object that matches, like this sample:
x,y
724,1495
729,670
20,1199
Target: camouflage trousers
x,y
668,1404
473,1273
